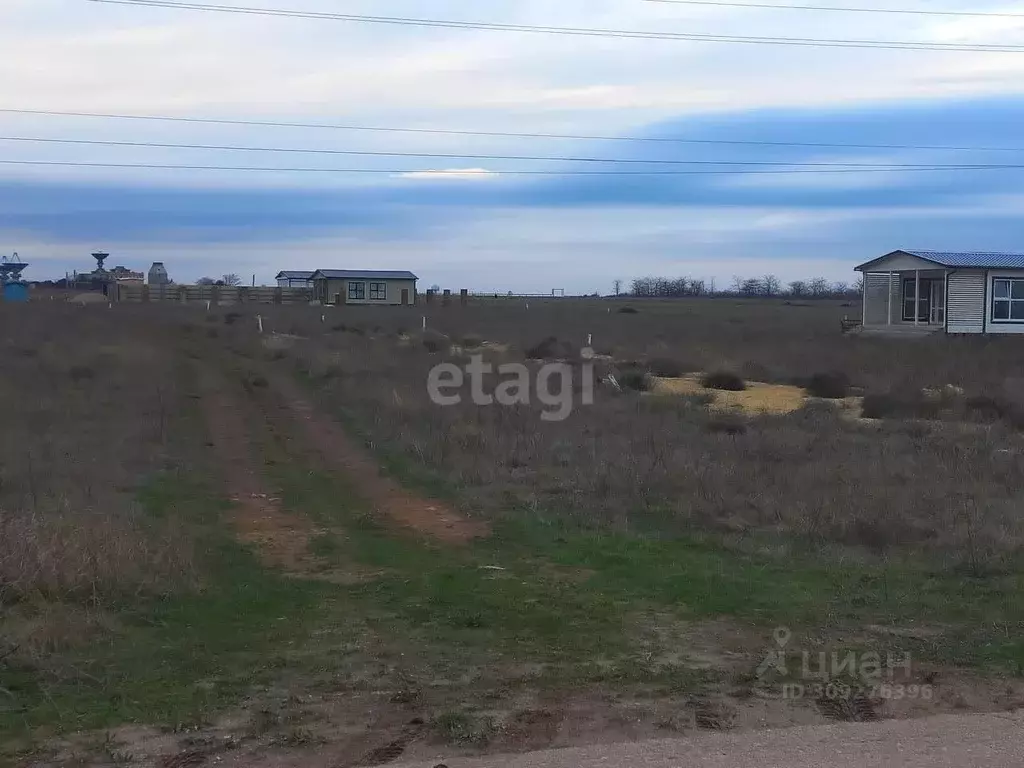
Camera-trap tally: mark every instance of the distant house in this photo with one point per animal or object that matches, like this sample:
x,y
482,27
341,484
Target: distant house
x,y
947,292
364,286
295,279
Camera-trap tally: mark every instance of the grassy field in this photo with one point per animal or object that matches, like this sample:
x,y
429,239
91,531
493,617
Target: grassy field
x,y
196,563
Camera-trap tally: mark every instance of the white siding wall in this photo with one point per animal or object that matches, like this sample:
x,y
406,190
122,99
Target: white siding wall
x,y
966,302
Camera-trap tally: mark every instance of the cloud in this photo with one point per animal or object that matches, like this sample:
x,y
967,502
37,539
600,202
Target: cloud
x,y
456,174
578,232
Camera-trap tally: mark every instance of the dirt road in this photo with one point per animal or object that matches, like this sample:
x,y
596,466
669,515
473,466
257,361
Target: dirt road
x,y
948,741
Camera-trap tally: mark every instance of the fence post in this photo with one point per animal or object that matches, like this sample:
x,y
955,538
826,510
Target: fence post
x,y
464,297
446,299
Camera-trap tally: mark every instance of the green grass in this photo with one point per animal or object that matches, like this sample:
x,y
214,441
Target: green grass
x,y
174,659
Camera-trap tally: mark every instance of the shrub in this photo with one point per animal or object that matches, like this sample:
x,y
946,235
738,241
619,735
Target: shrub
x,y
436,342
831,386
636,379
726,424
725,380
81,373
900,405
666,367
550,348
987,408
628,311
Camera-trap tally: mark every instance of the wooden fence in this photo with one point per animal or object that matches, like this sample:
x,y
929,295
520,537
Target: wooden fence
x,y
223,295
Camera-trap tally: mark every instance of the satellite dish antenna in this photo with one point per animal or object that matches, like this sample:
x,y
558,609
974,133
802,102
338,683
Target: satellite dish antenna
x,y
11,269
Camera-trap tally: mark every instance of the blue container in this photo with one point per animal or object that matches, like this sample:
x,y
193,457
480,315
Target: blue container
x,y
15,292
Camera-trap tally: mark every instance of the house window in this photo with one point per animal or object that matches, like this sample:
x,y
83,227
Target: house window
x,y
378,291
357,291
1007,300
909,299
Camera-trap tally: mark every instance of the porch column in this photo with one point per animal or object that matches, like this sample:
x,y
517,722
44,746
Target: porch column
x,y
864,299
889,309
945,297
917,295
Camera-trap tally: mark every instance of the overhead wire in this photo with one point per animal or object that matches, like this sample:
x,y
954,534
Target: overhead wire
x,y
846,9
467,156
500,134
575,31
412,172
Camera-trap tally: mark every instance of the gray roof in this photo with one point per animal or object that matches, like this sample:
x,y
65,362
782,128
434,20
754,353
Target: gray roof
x,y
295,275
365,274
972,259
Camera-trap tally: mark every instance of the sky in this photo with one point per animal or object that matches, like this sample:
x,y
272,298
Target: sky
x,y
490,228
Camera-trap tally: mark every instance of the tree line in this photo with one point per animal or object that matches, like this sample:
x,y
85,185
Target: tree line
x,y
766,286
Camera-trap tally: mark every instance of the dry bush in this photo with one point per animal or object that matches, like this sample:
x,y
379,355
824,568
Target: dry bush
x,y
635,379
666,367
724,380
830,386
89,556
551,348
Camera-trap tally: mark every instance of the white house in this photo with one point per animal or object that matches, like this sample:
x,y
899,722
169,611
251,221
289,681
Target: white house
x,y
948,292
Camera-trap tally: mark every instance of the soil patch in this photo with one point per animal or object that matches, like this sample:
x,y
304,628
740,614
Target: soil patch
x,y
280,539
429,517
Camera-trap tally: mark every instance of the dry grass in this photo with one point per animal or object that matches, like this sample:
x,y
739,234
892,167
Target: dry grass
x,y
792,465
757,398
89,404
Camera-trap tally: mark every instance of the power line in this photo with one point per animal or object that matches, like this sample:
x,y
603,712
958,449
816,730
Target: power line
x,y
902,11
451,156
468,172
576,31
503,134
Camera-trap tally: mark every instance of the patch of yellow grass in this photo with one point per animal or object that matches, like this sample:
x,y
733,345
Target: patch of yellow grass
x,y
757,398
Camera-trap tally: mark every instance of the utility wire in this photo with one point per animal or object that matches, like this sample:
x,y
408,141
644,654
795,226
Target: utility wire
x,y
452,156
903,11
484,173
503,134
577,31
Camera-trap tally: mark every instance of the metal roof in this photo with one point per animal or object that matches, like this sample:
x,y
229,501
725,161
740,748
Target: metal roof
x,y
964,259
985,259
365,274
295,275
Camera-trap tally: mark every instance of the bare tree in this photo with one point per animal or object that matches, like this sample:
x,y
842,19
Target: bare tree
x,y
206,281
798,288
618,287
231,279
771,285
819,287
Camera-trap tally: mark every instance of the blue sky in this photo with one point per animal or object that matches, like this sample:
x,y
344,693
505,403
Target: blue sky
x,y
502,231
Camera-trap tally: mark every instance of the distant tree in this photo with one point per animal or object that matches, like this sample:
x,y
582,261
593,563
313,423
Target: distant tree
x,y
231,279
771,285
618,287
841,288
206,281
798,289
819,287
751,287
